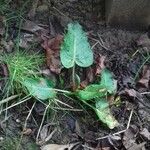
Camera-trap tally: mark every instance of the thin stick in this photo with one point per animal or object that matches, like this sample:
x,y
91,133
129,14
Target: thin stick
x,y
145,93
63,91
122,131
67,109
42,122
94,45
25,125
8,99
64,103
16,104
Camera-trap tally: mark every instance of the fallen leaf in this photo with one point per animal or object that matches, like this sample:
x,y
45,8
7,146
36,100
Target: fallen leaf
x,y
58,147
131,92
99,64
32,27
145,79
8,46
145,133
89,78
129,140
52,47
27,131
143,41
26,40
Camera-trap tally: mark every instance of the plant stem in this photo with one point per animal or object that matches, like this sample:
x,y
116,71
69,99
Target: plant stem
x,y
63,91
88,104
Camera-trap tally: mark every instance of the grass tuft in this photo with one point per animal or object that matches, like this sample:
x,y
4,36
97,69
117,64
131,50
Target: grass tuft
x,y
21,65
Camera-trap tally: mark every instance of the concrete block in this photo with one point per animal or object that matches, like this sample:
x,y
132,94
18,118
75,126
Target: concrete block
x,y
130,14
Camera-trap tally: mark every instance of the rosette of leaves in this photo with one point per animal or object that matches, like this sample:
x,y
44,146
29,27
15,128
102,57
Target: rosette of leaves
x,y
99,93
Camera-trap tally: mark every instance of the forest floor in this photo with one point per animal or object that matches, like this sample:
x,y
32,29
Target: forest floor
x,y
26,124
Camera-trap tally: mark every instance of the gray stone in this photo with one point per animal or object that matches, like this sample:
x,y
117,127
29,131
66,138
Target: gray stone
x,y
130,14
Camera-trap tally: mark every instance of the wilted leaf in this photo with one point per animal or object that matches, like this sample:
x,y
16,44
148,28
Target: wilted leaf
x,y
52,47
144,81
103,112
108,82
58,147
91,91
39,88
129,141
75,48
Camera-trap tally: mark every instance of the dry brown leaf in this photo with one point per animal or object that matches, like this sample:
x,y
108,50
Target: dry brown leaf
x,y
26,40
27,131
8,46
131,92
143,41
99,64
52,47
145,79
32,27
89,78
145,133
58,147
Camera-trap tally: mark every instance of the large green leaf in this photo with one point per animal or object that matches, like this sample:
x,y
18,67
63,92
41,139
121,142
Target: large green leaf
x,y
91,92
39,88
108,82
75,49
104,114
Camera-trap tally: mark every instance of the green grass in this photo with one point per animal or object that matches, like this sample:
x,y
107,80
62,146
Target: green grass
x,y
21,65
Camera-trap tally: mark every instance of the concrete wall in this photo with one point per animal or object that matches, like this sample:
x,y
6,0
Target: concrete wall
x,y
130,14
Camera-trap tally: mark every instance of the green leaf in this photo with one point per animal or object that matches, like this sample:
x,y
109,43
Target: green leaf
x,y
40,88
104,114
75,49
91,91
108,82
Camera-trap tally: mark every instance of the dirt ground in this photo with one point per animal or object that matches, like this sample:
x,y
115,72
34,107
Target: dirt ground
x,y
127,55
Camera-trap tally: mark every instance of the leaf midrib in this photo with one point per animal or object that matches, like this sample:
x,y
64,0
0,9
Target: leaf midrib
x,y
74,49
